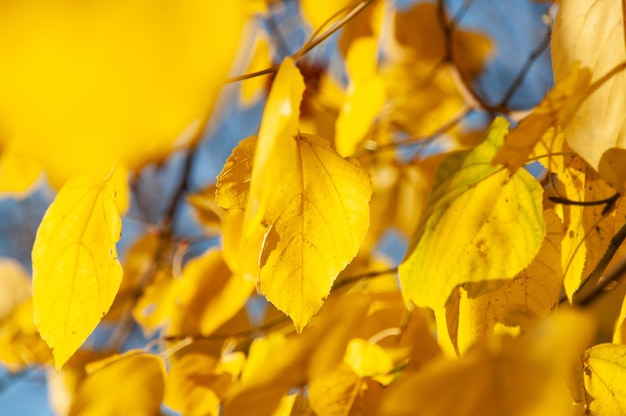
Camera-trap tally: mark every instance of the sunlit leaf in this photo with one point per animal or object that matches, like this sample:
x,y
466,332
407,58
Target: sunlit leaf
x,y
367,359
605,369
530,295
131,383
592,33
477,215
76,273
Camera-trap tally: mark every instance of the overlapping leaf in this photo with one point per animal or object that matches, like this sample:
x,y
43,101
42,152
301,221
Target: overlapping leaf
x,y
477,215
605,368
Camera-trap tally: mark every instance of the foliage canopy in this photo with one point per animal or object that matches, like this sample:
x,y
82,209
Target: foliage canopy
x,y
280,301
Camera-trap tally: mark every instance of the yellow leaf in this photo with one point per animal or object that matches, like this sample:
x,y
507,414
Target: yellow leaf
x,y
592,33
318,218
156,306
76,273
260,59
530,295
367,359
317,12
477,215
206,208
365,97
195,385
17,173
314,203
209,294
275,145
334,394
125,81
605,368
233,182
14,286
131,384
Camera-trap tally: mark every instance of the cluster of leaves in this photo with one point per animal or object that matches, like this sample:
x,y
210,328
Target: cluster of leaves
x,y
500,305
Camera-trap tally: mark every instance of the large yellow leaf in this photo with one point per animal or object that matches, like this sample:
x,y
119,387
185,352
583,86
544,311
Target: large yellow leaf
x,y
318,218
605,369
592,33
128,384
76,273
84,86
477,215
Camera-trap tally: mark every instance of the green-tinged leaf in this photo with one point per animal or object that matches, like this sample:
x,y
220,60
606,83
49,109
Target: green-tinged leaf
x,y
76,273
481,224
605,372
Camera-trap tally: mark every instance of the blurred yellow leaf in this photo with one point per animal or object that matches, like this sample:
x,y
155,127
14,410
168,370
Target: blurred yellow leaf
x,y
260,59
367,359
364,99
15,286
155,307
208,295
18,173
334,394
76,274
195,385
605,369
592,33
477,215
233,182
130,384
124,81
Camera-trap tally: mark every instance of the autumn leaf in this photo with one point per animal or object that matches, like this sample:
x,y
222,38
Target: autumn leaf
x,y
592,34
313,202
76,273
477,215
605,367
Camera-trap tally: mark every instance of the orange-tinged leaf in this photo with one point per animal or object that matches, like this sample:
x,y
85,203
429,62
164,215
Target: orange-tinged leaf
x,y
605,369
477,215
131,383
554,111
317,220
592,33
76,273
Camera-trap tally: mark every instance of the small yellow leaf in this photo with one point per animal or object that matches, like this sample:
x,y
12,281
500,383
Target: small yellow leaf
x,y
195,385
477,215
260,58
605,369
128,384
365,97
334,394
76,273
18,174
14,286
233,183
367,359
